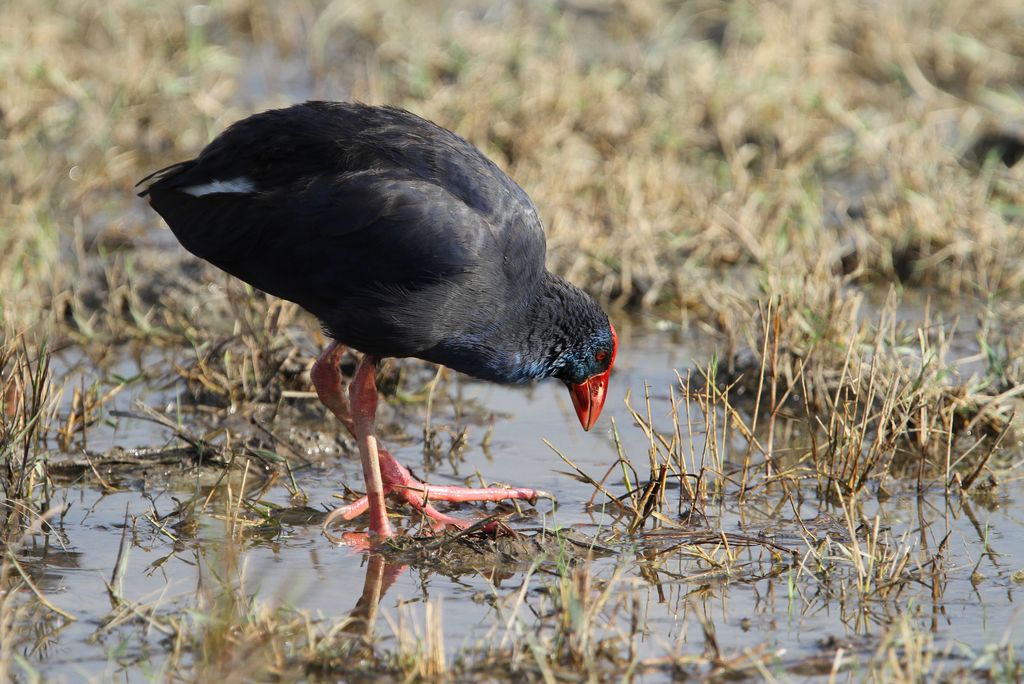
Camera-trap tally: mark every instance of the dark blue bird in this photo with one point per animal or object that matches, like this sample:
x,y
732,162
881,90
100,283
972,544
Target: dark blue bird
x,y
405,241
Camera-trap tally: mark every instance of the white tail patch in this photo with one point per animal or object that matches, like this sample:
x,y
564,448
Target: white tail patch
x,y
236,185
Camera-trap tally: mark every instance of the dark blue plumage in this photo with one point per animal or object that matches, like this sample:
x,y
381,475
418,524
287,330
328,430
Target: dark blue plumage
x,y
400,236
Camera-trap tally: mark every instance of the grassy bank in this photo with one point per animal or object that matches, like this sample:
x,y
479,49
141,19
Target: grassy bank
x,y
831,192
666,145
712,162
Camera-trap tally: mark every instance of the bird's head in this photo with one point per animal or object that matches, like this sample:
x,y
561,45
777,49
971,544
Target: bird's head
x,y
585,370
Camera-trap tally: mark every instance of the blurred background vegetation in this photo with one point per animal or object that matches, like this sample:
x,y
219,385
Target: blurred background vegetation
x,y
687,157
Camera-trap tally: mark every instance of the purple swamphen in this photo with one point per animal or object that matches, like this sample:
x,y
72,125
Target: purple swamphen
x,y
404,240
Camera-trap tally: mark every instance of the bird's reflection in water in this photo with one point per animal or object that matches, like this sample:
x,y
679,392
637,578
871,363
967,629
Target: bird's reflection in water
x,y
380,575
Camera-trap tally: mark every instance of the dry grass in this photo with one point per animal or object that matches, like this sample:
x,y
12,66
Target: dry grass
x,y
662,143
693,159
28,408
764,168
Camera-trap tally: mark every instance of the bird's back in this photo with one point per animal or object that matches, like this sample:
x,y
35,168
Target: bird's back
x,y
395,232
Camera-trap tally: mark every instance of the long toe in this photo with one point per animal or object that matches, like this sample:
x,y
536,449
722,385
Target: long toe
x,y
399,478
347,512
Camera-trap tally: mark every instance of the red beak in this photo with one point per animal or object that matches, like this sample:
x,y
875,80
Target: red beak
x,y
588,396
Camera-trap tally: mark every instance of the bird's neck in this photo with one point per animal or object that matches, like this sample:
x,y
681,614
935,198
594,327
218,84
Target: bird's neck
x,y
529,342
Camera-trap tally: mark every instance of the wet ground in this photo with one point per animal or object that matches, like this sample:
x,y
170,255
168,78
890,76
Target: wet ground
x,y
735,580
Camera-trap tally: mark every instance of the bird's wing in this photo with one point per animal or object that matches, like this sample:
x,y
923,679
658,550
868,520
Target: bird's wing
x,y
374,236
397,230
423,267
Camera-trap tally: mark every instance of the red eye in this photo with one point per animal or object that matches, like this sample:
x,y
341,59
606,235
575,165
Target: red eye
x,y
601,356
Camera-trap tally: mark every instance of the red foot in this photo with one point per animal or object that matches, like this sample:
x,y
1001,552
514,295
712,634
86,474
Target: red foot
x,y
383,474
399,481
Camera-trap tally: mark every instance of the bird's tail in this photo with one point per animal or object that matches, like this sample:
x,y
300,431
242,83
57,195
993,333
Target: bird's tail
x,y
162,175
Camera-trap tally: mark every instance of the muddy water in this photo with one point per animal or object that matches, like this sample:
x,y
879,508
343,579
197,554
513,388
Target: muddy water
x,y
760,604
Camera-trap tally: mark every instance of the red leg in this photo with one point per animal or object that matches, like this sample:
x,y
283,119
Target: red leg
x,y
327,380
363,398
382,472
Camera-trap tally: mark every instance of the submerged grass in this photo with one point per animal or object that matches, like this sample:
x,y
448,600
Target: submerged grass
x,y
762,169
569,618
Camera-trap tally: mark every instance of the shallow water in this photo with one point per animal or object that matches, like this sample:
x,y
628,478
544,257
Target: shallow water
x,y
754,606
